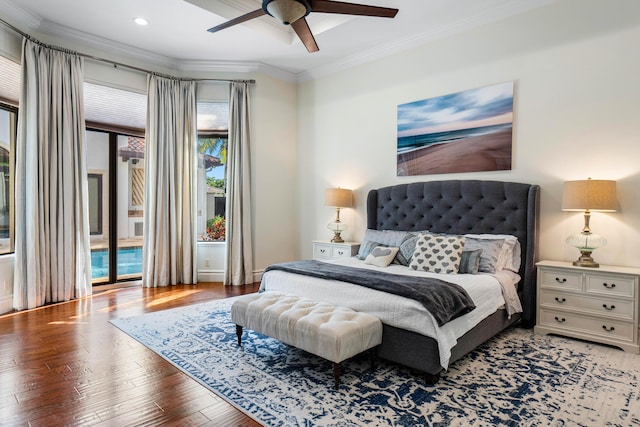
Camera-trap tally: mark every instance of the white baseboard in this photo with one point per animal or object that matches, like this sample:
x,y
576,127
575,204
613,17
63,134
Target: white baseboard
x,y
218,276
6,304
210,275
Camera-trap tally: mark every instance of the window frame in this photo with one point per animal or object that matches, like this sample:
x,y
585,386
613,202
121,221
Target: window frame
x,y
13,109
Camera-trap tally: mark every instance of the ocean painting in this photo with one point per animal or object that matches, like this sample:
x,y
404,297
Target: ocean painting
x,y
468,131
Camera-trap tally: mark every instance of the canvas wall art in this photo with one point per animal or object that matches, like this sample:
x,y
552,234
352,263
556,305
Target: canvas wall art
x,y
468,131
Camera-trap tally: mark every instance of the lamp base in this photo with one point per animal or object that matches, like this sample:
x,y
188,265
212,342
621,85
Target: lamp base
x,y
586,260
337,238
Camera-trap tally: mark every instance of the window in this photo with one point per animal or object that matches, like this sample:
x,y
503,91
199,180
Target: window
x,y
213,119
8,128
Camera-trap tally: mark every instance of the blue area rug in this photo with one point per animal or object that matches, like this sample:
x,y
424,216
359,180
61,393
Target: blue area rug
x,y
515,379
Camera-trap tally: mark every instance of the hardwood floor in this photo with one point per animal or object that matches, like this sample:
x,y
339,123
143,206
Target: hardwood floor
x,y
65,364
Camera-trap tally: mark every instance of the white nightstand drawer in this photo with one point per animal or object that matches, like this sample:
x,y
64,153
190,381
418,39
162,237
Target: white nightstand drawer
x,y
561,279
556,300
611,285
325,250
607,328
321,251
339,252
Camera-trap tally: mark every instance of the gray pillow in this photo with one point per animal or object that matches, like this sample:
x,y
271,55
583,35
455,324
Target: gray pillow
x,y
382,237
367,247
470,261
490,252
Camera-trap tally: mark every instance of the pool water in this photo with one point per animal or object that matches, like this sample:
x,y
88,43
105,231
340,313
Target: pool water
x,y
129,262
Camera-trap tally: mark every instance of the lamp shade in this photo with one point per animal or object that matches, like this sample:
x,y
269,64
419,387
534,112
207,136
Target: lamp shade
x,y
589,194
338,197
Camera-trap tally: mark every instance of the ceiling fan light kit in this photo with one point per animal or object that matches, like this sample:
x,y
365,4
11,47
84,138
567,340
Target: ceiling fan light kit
x,y
293,12
286,11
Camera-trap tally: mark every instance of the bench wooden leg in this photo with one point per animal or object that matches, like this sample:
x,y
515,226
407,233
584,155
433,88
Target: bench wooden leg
x,y
337,371
239,334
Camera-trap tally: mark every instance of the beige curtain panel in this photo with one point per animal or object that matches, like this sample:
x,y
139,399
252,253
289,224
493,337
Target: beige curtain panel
x,y
239,255
53,257
169,247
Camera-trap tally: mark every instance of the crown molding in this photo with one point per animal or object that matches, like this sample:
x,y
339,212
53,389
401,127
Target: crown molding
x,y
107,45
236,67
21,18
165,62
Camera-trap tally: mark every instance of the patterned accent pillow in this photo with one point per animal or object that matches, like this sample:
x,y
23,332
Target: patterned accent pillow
x,y
381,256
406,249
470,261
437,254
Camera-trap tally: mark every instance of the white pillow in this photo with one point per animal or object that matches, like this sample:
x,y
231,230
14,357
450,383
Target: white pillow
x,y
437,254
381,256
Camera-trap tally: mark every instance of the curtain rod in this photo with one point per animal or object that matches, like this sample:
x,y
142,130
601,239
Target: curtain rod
x,y
115,63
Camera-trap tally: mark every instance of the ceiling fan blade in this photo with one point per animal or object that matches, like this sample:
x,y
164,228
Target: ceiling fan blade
x,y
238,20
327,6
304,33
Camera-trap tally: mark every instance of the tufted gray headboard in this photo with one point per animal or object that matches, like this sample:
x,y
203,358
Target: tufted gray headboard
x,y
466,206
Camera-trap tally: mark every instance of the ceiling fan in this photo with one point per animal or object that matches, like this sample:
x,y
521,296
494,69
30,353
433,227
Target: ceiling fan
x,y
293,12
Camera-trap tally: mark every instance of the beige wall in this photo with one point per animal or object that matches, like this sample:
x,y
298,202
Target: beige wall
x,y
575,65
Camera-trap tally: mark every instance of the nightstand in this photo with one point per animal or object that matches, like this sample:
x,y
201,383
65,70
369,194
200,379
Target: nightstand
x,y
325,250
595,304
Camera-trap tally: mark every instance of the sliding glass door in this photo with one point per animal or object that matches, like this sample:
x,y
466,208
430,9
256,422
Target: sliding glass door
x,y
116,194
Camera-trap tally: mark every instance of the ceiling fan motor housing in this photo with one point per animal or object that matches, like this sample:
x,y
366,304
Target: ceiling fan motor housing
x,y
286,11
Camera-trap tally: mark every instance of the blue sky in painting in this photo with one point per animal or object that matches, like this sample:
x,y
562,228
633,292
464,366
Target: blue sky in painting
x,y
463,110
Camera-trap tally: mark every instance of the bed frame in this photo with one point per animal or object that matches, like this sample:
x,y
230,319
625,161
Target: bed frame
x,y
458,207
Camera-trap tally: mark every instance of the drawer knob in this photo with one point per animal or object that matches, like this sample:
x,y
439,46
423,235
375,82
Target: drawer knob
x,y
563,280
612,307
340,252
322,251
611,329
609,286
561,300
560,320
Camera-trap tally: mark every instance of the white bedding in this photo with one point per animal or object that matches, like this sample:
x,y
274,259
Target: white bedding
x,y
484,289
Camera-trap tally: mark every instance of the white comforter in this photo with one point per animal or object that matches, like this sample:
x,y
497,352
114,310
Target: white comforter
x,y
484,289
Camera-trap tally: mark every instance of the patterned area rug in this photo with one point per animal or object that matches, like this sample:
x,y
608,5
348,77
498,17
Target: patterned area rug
x,y
515,379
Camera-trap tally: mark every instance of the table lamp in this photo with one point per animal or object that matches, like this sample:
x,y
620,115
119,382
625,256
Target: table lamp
x,y
588,195
338,198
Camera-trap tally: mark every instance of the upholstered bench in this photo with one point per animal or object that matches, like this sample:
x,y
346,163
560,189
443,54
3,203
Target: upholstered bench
x,y
333,333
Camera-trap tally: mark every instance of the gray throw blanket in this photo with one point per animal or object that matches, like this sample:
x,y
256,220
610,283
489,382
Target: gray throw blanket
x,y
445,301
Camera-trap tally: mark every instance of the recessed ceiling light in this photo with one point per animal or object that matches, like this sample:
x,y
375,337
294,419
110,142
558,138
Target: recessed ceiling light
x,y
140,21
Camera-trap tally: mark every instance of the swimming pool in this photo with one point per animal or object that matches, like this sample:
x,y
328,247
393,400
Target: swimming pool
x,y
129,262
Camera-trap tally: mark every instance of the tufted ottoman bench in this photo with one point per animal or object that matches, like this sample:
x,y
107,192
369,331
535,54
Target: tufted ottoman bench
x,y
333,333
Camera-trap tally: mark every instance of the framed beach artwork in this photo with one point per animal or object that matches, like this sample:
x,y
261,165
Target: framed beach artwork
x,y
468,131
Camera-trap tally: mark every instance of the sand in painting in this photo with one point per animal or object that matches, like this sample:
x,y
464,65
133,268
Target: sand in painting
x,y
480,153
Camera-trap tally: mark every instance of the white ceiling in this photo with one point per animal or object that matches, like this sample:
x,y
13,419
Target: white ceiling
x,y
176,36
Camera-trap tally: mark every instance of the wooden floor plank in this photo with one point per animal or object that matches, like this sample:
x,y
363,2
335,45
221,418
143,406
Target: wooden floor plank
x,y
66,365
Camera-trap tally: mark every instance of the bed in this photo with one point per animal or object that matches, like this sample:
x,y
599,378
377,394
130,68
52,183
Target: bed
x,y
453,207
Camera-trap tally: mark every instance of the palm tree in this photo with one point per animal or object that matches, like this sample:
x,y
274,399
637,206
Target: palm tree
x,y
214,146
